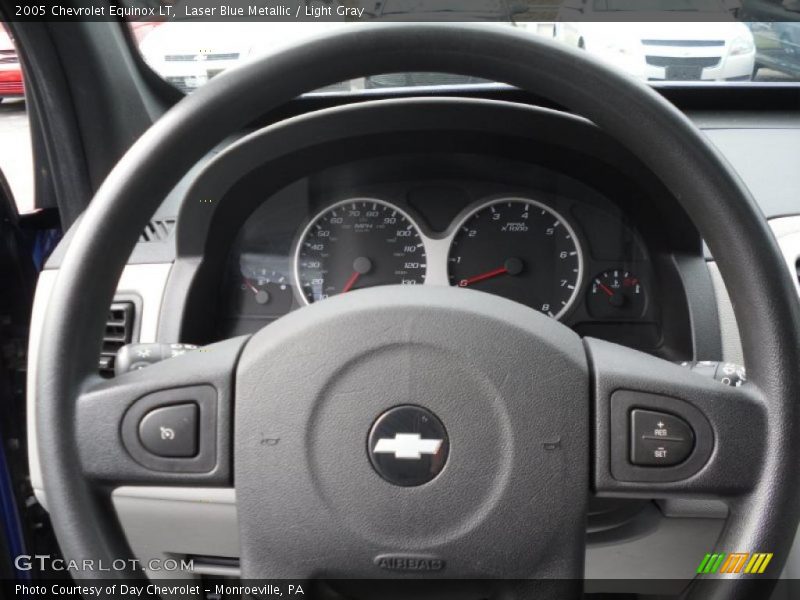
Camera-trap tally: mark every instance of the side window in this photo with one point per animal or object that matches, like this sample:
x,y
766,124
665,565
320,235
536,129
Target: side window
x,y
15,142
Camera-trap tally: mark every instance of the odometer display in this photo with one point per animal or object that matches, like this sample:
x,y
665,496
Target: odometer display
x,y
356,244
519,249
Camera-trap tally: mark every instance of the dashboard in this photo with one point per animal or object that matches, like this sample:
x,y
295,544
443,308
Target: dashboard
x,y
513,200
554,245
522,202
237,259
526,203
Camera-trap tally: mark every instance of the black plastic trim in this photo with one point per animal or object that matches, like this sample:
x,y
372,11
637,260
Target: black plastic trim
x,y
205,397
702,306
622,402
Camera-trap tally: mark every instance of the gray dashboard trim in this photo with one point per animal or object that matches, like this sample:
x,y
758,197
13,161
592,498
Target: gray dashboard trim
x,y
148,281
770,173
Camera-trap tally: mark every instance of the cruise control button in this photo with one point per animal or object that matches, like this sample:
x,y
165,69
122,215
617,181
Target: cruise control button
x,y
170,431
659,439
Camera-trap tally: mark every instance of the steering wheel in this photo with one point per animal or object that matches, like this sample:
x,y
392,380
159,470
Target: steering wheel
x,y
527,417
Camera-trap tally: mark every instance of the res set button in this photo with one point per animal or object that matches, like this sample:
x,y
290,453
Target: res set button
x,y
659,439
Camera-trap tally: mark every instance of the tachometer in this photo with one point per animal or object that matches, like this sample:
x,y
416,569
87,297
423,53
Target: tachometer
x,y
356,244
520,249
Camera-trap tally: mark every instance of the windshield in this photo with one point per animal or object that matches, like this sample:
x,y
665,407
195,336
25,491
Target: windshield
x,y
405,7
690,42
658,5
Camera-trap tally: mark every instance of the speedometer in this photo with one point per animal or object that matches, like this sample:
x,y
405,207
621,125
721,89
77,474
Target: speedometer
x,y
520,249
356,244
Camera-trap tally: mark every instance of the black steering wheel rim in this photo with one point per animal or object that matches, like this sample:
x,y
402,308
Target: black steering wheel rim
x,y
665,140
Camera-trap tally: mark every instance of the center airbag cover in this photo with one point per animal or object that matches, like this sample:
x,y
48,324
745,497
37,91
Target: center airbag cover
x,y
510,386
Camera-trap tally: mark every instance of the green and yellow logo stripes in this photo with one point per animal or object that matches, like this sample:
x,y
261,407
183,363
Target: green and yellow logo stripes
x,y
753,563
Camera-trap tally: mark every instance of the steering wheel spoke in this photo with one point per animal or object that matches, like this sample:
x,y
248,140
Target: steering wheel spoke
x,y
167,424
663,430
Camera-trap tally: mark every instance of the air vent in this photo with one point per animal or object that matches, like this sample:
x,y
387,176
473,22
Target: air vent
x,y
157,230
119,331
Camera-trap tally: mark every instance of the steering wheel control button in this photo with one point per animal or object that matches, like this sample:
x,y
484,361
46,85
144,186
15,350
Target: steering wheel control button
x,y
170,431
134,357
408,445
659,439
726,373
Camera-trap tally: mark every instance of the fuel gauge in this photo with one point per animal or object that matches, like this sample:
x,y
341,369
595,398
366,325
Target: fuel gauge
x,y
262,291
616,294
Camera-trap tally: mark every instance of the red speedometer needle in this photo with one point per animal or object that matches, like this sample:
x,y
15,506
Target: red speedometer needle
x,y
482,276
348,285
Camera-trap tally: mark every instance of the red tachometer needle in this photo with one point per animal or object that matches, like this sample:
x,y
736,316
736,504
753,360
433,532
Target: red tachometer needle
x,y
348,285
482,276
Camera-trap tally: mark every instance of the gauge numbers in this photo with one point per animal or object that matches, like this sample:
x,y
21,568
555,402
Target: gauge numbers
x,y
357,244
519,249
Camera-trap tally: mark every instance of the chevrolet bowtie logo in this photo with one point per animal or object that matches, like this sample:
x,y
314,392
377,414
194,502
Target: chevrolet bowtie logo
x,y
407,446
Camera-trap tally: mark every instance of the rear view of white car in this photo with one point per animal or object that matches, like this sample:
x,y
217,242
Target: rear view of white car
x,y
710,50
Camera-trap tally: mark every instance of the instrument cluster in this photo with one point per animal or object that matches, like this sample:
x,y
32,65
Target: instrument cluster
x,y
535,248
